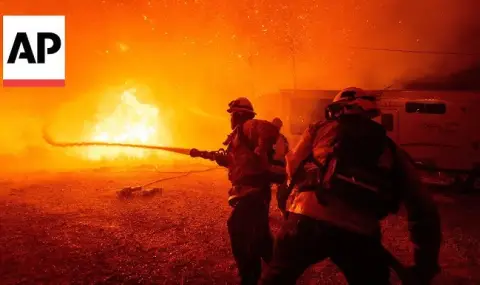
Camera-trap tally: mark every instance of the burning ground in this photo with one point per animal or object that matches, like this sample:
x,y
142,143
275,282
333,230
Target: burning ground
x,y
70,228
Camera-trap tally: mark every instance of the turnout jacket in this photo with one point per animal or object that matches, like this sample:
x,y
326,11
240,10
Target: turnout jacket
x,y
248,156
318,142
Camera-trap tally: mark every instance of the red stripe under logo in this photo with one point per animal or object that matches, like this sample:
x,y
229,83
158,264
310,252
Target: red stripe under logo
x,y
33,83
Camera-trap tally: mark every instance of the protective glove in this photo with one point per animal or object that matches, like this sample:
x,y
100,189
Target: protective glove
x,y
195,152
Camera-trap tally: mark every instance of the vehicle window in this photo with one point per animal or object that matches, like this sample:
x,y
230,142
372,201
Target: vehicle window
x,y
426,108
387,122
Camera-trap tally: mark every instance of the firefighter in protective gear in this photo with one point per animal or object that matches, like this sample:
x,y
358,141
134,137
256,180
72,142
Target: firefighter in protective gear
x,y
280,150
347,176
281,146
249,169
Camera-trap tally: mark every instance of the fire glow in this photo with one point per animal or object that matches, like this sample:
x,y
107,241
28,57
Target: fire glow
x,y
130,122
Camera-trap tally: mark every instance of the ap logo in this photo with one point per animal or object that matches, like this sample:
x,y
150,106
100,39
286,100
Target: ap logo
x,y
33,51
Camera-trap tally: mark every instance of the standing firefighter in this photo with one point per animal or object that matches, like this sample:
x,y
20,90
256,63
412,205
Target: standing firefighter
x,y
281,148
248,159
347,176
281,145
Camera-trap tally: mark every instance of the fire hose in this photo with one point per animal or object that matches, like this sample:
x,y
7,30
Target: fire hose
x,y
51,142
193,152
402,272
210,155
181,174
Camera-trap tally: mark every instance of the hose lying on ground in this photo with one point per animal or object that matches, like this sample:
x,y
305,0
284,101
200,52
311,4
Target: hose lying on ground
x,y
183,174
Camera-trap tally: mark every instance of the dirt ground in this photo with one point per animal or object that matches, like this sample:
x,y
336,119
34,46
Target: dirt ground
x,y
70,228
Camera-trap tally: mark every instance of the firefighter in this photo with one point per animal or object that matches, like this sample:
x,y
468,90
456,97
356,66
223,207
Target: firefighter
x,y
347,176
248,159
281,145
280,150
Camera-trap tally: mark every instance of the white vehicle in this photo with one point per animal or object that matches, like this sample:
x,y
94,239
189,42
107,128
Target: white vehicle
x,y
439,129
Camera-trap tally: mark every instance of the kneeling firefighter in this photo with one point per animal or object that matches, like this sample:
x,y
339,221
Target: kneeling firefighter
x,y
346,175
248,159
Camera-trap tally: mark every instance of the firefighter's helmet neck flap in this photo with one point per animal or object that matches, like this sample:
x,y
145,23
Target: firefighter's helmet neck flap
x,y
352,101
241,110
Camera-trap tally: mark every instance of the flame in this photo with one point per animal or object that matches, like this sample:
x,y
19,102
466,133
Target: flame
x,y
130,122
